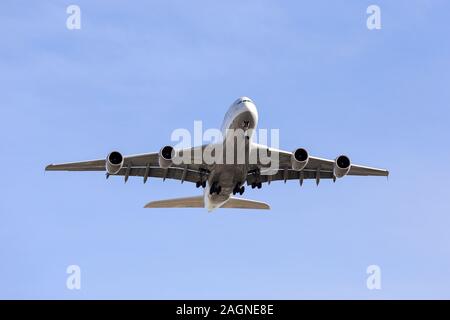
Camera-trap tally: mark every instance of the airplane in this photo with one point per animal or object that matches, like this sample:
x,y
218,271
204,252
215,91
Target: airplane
x,y
223,180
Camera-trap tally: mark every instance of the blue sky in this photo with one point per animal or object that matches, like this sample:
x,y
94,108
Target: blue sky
x,y
138,70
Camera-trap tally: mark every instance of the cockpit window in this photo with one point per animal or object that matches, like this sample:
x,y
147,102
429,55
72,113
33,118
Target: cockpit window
x,y
245,100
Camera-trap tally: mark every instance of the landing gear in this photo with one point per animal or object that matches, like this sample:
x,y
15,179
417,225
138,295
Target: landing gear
x,y
256,177
256,185
202,181
199,184
239,189
215,188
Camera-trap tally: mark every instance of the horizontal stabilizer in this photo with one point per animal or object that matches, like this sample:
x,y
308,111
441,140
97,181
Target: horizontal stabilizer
x,y
238,203
189,202
198,202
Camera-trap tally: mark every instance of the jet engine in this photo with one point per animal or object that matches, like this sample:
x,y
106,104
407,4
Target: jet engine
x,y
342,166
114,162
166,155
299,159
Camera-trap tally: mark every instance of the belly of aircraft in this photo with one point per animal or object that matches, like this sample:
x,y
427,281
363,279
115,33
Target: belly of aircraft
x,y
227,176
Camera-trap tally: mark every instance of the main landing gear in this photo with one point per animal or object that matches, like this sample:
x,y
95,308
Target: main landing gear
x,y
239,189
215,188
199,184
256,185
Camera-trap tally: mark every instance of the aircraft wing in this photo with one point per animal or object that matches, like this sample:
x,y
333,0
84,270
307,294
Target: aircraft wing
x,y
100,164
316,168
140,165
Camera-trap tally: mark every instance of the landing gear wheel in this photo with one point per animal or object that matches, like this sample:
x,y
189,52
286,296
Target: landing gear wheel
x,y
198,184
212,189
259,185
238,189
204,184
215,188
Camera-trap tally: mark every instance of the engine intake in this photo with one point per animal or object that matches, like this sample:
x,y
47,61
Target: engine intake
x,y
342,166
299,159
166,155
114,162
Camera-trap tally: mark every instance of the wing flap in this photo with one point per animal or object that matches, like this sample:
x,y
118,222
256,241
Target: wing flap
x,y
175,173
280,175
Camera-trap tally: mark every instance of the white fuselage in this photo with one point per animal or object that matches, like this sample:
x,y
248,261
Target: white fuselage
x,y
239,123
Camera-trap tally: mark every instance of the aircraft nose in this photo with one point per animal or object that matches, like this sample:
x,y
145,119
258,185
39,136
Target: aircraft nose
x,y
246,104
249,106
249,109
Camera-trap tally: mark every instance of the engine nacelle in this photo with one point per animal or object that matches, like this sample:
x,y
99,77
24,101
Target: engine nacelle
x,y
166,155
299,159
342,166
114,162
